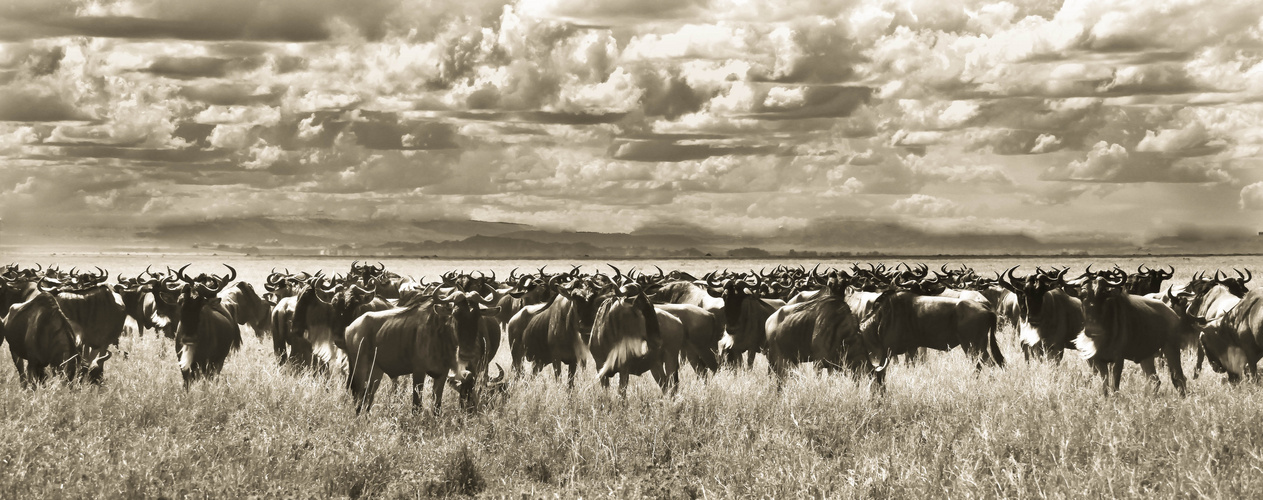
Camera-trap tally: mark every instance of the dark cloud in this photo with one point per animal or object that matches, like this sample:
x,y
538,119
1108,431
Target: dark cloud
x,y
187,68
279,20
28,103
229,94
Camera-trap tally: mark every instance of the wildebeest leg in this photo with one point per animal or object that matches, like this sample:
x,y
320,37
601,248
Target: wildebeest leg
x,y
750,357
605,381
1101,369
1175,370
572,367
660,376
1201,354
557,370
418,387
1149,366
623,380
363,382
1116,374
35,373
438,390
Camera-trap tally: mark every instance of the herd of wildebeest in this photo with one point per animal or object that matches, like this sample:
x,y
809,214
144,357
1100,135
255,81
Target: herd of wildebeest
x,y
371,322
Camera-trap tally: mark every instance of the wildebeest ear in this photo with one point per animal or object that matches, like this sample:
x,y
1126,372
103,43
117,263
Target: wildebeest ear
x,y
517,294
489,311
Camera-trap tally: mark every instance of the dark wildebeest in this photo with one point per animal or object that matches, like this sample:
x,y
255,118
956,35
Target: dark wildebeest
x,y
416,338
552,332
1119,326
1050,318
477,339
745,316
822,330
629,337
322,314
1147,281
1234,341
902,321
40,336
288,345
206,333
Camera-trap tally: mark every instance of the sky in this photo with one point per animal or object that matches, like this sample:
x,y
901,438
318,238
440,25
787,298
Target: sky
x,y
1135,118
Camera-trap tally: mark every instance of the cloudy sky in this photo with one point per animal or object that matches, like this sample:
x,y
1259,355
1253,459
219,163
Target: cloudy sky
x,y
1136,117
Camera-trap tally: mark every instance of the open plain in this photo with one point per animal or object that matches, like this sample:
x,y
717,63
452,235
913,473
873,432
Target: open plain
x,y
1030,430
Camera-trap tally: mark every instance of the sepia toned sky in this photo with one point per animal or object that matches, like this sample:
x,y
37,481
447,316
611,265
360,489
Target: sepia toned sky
x,y
1133,117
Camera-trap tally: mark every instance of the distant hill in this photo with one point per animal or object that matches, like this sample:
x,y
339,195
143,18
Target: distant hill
x,y
473,238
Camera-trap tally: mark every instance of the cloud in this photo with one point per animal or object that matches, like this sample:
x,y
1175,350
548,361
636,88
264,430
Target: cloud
x,y
29,103
1113,163
921,205
1252,197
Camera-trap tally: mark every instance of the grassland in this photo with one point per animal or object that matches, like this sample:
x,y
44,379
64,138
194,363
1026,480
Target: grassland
x,y
941,430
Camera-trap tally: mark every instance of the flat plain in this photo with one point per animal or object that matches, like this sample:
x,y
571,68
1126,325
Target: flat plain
x,y
1033,429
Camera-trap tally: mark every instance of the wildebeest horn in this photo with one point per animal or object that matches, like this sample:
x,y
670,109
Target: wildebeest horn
x,y
1217,278
618,275
180,273
1170,273
512,275
1140,269
1122,278
660,273
224,281
1248,276
380,267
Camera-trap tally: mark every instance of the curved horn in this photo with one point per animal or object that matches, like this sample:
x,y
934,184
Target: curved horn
x,y
1121,278
1171,273
232,276
180,274
1248,275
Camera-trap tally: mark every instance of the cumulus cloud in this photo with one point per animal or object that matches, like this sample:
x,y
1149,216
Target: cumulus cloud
x,y
635,110
1114,163
922,205
1252,197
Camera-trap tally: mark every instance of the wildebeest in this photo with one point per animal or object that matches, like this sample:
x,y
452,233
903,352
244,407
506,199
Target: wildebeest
x,y
822,330
206,334
745,316
322,314
416,338
246,307
552,333
1050,318
1147,281
40,336
902,321
702,331
1119,326
629,337
477,338
1233,342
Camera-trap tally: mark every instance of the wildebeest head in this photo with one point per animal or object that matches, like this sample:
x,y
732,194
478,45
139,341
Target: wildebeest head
x,y
1147,281
1030,290
584,296
1237,286
1224,356
734,291
1098,293
343,300
890,307
196,294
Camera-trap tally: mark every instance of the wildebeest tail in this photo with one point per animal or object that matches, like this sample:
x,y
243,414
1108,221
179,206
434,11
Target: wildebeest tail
x,y
995,346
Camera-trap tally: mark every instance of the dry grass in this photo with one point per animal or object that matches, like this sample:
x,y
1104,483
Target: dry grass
x,y
1030,430
941,430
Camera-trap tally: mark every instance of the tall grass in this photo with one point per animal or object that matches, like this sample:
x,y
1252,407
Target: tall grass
x,y
1030,430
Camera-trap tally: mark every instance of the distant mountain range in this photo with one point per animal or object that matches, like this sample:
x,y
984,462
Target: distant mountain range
x,y
471,238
